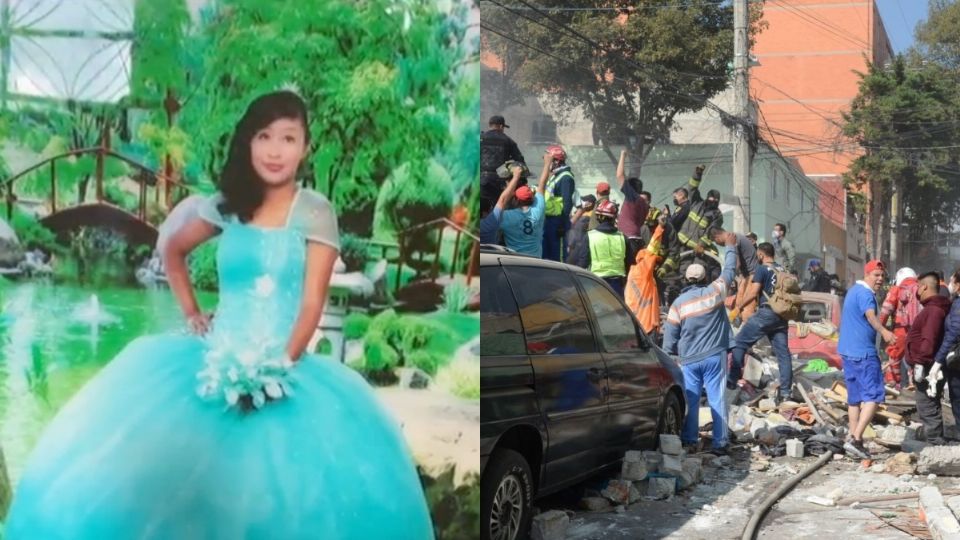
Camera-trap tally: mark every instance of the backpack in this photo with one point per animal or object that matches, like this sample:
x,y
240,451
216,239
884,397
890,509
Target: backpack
x,y
785,300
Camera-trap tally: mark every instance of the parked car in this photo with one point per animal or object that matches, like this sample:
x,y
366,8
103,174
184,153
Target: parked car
x,y
817,307
569,382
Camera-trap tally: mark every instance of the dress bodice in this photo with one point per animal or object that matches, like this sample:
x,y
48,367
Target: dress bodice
x,y
261,271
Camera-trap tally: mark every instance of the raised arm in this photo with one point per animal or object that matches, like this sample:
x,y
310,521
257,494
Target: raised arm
x,y
545,173
621,166
511,188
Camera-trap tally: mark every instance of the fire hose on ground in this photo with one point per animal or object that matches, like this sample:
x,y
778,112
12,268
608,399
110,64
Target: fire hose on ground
x,y
750,532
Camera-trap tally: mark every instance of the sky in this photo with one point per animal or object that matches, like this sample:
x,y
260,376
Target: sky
x,y
900,18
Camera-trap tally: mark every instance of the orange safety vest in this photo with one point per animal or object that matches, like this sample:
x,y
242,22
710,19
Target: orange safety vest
x,y
640,291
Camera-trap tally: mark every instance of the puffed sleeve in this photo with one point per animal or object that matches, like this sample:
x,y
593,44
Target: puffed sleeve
x,y
209,211
315,218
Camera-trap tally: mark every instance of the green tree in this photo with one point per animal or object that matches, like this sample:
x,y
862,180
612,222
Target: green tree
x,y
376,75
905,118
938,37
630,71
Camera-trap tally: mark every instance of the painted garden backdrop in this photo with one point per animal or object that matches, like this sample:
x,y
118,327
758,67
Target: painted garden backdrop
x,y
114,112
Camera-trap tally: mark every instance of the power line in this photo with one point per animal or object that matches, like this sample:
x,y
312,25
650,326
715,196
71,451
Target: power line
x,y
629,9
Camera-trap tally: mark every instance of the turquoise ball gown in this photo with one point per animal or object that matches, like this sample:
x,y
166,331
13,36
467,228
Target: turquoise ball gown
x,y
137,453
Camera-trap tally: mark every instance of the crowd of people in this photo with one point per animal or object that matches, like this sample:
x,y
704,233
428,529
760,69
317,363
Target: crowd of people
x,y
713,279
548,218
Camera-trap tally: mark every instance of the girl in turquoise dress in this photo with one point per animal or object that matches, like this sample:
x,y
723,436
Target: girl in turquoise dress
x,y
232,431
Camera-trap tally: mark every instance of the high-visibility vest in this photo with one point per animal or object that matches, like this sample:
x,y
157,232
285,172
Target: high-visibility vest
x,y
607,253
640,292
554,203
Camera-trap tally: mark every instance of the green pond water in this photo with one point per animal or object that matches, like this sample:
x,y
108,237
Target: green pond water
x,y
52,341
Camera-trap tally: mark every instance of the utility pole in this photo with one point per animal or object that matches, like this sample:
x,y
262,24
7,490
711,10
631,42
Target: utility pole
x,y
741,143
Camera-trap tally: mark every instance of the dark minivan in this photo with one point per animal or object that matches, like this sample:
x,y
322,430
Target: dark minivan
x,y
569,382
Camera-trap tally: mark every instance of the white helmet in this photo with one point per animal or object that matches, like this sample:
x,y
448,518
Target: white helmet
x,y
903,274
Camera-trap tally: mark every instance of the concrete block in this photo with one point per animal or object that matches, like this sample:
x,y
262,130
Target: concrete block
x,y
595,504
953,503
686,480
671,465
752,371
694,466
620,492
550,525
634,466
653,459
940,521
766,405
794,448
670,444
894,434
661,488
941,460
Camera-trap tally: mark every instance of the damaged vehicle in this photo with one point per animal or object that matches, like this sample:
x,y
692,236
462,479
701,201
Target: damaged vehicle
x,y
816,334
569,383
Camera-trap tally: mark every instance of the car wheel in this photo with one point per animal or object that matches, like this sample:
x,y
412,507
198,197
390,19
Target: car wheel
x,y
671,420
506,497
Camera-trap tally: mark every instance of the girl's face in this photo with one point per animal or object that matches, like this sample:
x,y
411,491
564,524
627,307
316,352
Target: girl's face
x,y
277,150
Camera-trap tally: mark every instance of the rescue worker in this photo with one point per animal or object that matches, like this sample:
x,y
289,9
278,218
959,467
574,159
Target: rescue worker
x,y
603,194
559,195
496,148
605,252
633,213
698,332
580,222
819,280
901,307
641,293
702,215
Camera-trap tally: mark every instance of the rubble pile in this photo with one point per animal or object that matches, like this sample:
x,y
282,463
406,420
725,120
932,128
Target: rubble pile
x,y
815,420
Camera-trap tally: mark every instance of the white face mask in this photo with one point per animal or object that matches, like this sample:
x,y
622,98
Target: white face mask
x,y
776,234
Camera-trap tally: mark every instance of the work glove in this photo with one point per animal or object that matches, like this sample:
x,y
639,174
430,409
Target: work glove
x,y
932,379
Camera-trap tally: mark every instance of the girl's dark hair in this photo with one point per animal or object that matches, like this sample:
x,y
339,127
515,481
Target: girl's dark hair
x,y
240,185
956,275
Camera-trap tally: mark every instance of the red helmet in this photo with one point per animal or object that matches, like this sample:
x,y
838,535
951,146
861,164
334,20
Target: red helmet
x,y
606,207
557,152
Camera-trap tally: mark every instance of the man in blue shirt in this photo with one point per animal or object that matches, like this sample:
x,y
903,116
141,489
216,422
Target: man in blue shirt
x,y
523,226
857,347
765,322
490,217
698,330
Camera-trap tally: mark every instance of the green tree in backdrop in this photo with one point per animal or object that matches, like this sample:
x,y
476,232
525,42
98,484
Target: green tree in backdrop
x,y
376,75
905,117
630,71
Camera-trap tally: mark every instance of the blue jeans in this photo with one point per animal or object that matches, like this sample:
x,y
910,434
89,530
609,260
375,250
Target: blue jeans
x,y
764,323
554,246
710,373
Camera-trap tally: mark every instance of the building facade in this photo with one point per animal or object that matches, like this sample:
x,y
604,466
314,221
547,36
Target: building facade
x,y
809,56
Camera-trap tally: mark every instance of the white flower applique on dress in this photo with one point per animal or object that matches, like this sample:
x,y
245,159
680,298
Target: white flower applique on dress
x,y
264,286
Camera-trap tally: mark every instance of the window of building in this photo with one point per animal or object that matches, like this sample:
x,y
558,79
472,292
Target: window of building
x,y
544,130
